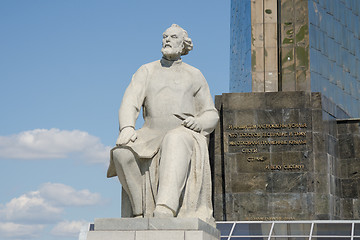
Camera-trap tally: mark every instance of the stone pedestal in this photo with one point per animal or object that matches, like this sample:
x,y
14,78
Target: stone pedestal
x,y
152,229
284,156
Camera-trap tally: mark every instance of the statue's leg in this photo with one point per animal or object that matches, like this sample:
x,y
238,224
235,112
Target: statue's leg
x,y
176,151
130,177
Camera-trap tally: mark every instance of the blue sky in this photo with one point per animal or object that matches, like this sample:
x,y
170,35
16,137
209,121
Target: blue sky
x,y
64,66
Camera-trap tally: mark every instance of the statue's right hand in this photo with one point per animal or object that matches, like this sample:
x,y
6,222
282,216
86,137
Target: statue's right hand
x,y
126,134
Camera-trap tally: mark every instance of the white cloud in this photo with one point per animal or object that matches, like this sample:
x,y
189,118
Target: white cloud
x,y
53,143
14,230
68,229
64,195
45,205
30,207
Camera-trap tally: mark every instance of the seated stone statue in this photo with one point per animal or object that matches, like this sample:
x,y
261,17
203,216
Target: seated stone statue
x,y
164,166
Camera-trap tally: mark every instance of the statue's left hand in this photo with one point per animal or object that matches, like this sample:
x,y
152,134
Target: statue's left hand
x,y
126,134
192,123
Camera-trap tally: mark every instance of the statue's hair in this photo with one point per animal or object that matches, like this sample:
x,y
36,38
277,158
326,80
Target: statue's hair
x,y
188,45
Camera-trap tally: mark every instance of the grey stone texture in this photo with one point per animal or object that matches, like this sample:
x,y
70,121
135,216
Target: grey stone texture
x,y
284,156
346,174
152,229
97,235
114,224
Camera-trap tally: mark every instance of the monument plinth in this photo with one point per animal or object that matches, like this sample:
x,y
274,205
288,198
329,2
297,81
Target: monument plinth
x,y
284,156
152,229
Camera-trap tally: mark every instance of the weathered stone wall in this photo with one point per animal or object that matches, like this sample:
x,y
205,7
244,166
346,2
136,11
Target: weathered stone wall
x,y
346,171
264,46
275,157
294,45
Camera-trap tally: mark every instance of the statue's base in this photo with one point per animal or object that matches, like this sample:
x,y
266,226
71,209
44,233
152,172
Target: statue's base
x,y
152,229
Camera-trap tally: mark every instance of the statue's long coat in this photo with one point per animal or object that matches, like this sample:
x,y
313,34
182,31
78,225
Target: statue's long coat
x,y
169,91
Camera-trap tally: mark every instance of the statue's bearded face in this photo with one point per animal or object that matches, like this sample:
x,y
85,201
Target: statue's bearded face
x,y
173,42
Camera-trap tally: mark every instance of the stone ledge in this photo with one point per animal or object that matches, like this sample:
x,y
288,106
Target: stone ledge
x,y
182,224
155,224
121,224
151,235
109,235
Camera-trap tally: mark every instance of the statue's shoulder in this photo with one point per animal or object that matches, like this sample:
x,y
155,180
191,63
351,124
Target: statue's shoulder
x,y
196,73
191,69
151,65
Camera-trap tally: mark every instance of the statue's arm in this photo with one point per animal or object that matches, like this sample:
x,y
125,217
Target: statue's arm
x,y
131,105
207,116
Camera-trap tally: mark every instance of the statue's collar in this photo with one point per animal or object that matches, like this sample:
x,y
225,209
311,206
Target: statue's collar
x,y
168,63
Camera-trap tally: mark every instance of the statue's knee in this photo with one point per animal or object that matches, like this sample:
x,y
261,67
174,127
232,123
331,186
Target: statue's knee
x,y
123,156
177,135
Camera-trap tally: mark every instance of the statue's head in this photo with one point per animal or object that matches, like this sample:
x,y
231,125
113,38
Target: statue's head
x,y
175,42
